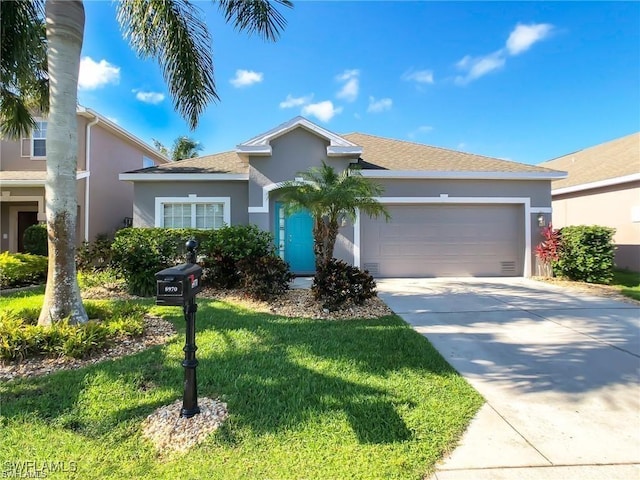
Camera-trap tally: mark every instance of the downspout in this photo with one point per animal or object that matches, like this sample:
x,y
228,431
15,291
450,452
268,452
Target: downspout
x,y
87,161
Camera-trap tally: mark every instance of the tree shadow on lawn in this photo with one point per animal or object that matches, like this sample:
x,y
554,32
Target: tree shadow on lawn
x,y
274,373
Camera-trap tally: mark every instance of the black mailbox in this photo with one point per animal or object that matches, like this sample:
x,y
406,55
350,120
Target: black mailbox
x,y
177,285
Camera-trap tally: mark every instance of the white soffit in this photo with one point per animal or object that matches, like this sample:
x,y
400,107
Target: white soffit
x,y
260,145
599,184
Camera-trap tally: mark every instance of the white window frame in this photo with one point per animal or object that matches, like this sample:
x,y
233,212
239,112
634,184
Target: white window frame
x,y
33,139
192,199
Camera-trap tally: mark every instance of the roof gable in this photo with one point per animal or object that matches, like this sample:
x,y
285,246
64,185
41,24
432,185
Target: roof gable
x,y
261,144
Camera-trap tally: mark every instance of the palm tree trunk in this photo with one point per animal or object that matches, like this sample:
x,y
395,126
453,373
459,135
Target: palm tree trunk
x,y
65,29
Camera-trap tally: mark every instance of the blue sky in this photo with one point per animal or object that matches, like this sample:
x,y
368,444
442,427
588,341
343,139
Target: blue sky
x,y
522,81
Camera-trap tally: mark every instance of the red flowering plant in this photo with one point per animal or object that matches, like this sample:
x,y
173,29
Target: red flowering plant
x,y
548,250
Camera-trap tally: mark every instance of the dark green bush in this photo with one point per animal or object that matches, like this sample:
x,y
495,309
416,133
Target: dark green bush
x,y
337,283
35,240
96,255
21,269
139,253
20,338
586,253
224,248
264,277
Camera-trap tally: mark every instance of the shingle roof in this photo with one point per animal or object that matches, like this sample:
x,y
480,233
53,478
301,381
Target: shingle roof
x,y
225,162
378,153
393,154
617,158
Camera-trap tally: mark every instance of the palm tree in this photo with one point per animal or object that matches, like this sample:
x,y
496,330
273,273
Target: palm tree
x,y
170,31
331,197
183,147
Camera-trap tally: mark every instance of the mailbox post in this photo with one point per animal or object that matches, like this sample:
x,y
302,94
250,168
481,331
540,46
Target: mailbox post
x,y
178,286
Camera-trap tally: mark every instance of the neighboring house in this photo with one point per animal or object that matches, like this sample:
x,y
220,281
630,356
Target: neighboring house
x,y
603,188
104,203
453,213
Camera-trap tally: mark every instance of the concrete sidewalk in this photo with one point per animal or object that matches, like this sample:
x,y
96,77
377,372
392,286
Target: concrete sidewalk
x,y
558,369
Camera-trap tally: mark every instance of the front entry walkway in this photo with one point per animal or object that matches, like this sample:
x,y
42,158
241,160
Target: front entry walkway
x,y
559,371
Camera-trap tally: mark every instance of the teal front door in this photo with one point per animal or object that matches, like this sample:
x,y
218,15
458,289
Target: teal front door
x,y
295,240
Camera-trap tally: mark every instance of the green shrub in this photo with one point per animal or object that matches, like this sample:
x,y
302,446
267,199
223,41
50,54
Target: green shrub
x,y
20,339
139,253
21,269
264,277
586,253
35,240
96,255
338,283
224,248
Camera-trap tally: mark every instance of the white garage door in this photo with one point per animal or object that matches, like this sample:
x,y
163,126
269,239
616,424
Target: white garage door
x,y
445,240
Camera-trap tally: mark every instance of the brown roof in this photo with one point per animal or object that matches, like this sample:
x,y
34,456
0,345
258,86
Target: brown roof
x,y
617,158
378,153
400,155
225,162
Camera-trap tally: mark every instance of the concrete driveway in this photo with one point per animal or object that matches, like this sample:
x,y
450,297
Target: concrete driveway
x,y
559,370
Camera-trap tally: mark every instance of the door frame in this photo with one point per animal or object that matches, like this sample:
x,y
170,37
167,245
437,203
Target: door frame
x,y
13,224
280,233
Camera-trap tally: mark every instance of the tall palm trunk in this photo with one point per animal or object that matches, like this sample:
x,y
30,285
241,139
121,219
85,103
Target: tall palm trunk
x,y
65,30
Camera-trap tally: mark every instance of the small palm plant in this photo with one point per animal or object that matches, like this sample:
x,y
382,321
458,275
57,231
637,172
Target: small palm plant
x,y
331,197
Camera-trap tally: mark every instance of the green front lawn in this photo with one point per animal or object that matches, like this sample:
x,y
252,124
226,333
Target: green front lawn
x,y
628,282
308,399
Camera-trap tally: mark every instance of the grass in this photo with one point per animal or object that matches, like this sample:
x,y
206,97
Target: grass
x,y
628,282
308,399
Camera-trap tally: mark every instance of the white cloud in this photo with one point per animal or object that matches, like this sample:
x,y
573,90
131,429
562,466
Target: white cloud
x,y
479,66
420,76
377,106
524,36
95,75
349,90
153,98
292,101
245,78
112,119
521,38
323,111
461,146
420,130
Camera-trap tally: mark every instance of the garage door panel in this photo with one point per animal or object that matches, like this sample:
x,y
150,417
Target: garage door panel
x,y
445,240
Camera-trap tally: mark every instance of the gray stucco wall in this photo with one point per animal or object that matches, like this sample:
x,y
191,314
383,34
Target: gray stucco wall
x,y
145,194
538,190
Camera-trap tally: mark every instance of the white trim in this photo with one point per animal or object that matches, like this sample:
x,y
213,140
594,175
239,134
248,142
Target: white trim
x,y
601,183
13,224
424,174
172,177
261,144
36,182
524,201
266,190
356,240
32,139
192,198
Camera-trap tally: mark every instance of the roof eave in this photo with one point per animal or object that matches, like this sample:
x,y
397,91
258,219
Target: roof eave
x,y
184,177
599,184
460,175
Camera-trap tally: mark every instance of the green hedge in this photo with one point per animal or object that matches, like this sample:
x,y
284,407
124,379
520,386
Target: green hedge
x,y
586,253
138,253
21,269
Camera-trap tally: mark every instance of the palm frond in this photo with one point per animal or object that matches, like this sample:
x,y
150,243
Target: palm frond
x,y
256,16
23,66
174,33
